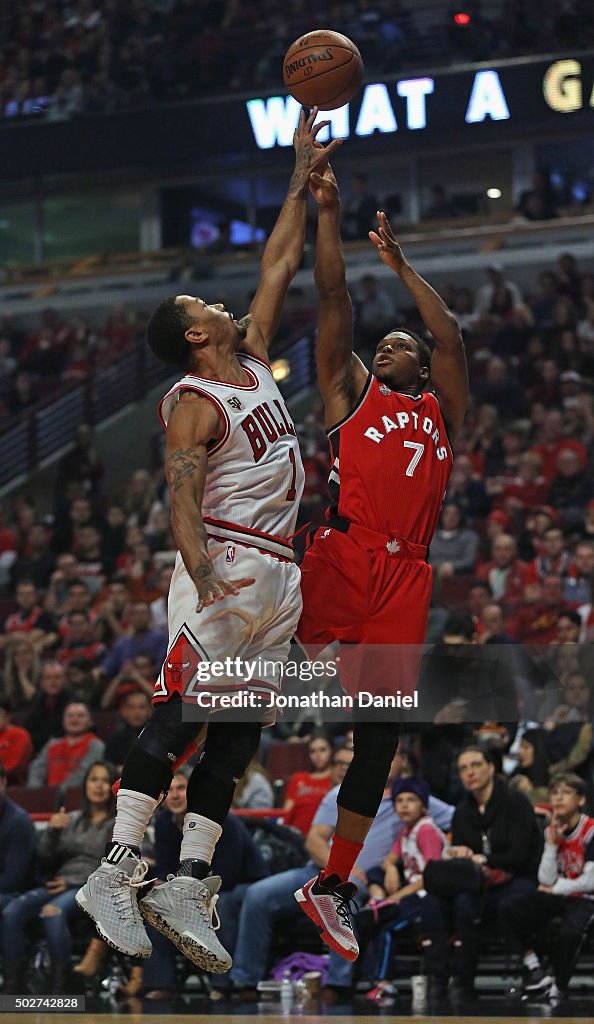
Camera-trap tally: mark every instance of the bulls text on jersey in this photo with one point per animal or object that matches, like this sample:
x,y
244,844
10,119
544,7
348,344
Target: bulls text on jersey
x,y
264,426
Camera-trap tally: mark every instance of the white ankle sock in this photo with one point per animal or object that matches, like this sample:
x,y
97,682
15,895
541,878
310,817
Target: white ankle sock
x,y
134,811
200,837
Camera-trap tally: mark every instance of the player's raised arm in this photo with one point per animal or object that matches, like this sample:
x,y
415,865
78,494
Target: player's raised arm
x,y
284,248
449,372
341,374
193,423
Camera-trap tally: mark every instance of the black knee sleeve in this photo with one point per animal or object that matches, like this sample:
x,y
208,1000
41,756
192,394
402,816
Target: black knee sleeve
x,y
145,773
148,765
362,788
229,748
166,736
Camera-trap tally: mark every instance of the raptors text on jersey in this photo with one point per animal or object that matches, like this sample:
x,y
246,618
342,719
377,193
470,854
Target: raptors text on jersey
x,y
255,477
391,460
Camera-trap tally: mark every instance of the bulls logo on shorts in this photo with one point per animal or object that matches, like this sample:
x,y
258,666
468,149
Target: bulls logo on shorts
x,y
180,665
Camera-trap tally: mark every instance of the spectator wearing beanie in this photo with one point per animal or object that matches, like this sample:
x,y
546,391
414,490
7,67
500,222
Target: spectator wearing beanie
x,y
396,888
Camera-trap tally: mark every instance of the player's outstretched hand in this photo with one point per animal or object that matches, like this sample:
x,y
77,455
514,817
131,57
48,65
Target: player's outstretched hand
x,y
324,187
385,241
212,588
309,155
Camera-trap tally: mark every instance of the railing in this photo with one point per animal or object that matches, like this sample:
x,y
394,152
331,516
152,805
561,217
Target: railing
x,y
272,813
49,426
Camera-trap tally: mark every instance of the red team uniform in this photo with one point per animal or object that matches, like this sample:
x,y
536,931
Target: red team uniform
x,y
365,579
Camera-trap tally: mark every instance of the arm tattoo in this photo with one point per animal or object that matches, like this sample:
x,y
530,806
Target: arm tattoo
x,y
299,179
202,572
180,464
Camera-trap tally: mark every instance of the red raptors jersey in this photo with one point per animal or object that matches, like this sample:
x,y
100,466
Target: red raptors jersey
x,y
575,849
391,460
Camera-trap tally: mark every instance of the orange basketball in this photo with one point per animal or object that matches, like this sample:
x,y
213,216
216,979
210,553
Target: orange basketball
x,y
323,69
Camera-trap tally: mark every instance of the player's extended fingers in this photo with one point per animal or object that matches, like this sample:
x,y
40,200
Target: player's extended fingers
x,y
299,126
318,127
311,118
332,147
211,595
375,238
385,223
387,237
246,581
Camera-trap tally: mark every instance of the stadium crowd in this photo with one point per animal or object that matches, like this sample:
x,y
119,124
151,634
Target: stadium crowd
x,y
98,56
500,759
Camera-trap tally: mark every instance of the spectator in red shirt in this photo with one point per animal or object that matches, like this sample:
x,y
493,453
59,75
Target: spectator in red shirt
x,y
305,789
554,441
142,575
79,642
78,600
566,886
63,762
537,623
31,618
505,573
528,488
16,748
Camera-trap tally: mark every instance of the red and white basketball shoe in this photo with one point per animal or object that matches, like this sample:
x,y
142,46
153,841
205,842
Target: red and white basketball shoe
x,y
327,904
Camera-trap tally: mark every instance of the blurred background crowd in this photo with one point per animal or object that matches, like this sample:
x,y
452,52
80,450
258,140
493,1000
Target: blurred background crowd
x,y
67,58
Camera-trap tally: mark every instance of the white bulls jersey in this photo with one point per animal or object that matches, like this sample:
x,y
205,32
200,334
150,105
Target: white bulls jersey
x,y
255,477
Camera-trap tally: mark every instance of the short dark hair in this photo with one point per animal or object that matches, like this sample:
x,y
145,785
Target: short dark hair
x,y
568,779
573,617
165,333
424,350
133,693
459,624
483,584
78,582
475,748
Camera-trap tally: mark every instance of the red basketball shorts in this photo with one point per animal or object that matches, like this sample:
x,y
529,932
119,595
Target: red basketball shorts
x,y
371,592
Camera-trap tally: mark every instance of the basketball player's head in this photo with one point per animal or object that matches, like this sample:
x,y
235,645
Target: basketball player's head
x,y
402,361
185,324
